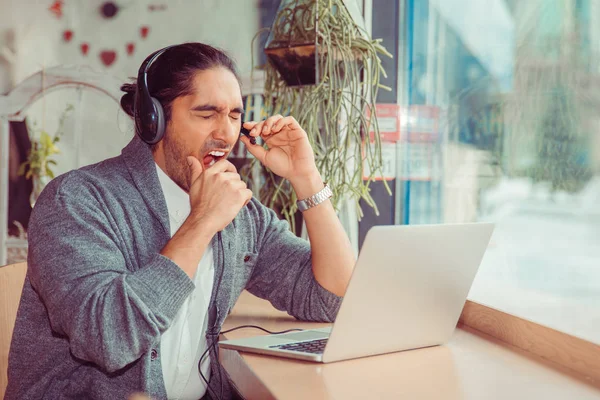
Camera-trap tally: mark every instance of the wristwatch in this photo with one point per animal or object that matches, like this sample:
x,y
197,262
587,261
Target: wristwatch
x,y
315,199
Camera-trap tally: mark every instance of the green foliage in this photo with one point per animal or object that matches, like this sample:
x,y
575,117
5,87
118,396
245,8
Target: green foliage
x,y
42,149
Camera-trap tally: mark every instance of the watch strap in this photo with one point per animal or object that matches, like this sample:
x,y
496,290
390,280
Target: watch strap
x,y
315,199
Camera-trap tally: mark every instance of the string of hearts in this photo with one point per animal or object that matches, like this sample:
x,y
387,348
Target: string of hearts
x,y
107,56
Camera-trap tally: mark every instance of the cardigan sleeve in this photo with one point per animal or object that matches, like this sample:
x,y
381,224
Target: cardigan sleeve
x,y
110,314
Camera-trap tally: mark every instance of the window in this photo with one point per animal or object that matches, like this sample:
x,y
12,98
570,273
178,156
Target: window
x,y
508,93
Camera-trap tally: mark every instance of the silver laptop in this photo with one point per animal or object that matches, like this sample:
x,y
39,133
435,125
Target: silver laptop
x,y
407,291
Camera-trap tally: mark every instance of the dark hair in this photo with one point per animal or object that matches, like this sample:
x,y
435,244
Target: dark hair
x,y
172,74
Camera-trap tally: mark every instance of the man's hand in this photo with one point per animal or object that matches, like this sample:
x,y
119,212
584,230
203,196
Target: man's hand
x,y
289,153
217,194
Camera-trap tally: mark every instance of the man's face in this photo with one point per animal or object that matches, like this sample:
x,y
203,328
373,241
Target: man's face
x,y
205,125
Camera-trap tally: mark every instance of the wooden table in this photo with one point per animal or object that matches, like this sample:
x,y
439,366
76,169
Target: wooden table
x,y
471,366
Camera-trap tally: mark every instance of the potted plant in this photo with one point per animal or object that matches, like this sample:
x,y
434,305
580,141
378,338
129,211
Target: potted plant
x,y
40,156
324,69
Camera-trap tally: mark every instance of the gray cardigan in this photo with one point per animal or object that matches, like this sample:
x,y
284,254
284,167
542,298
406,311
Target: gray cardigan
x,y
98,294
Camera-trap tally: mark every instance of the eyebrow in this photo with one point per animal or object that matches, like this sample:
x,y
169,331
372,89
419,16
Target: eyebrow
x,y
210,107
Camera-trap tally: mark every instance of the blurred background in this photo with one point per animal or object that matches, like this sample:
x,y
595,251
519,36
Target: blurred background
x,y
493,115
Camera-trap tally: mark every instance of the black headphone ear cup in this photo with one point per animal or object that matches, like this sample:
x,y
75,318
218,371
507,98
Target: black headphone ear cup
x,y
160,120
149,115
149,120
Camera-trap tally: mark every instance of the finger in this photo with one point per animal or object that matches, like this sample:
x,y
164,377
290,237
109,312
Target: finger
x,y
246,132
285,121
257,151
237,184
195,169
223,165
230,176
250,124
257,129
248,193
266,130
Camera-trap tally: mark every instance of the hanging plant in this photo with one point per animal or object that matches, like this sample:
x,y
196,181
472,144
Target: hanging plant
x,y
324,70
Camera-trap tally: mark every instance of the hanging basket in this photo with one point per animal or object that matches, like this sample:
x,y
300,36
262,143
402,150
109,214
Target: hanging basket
x,y
295,46
297,65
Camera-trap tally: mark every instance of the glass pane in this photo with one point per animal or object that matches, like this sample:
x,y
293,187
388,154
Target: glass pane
x,y
502,122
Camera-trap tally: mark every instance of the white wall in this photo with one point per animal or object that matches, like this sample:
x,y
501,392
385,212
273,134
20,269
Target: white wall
x,y
103,129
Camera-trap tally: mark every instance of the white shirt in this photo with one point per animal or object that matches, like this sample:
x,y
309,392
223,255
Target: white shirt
x,y
182,344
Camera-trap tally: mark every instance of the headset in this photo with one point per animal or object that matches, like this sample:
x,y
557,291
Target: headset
x,y
148,114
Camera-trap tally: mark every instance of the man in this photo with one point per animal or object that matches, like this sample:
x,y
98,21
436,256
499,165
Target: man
x,y
135,262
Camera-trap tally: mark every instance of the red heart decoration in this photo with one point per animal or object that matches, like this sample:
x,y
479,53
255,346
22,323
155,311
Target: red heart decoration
x,y
84,48
130,48
108,57
144,31
67,35
56,8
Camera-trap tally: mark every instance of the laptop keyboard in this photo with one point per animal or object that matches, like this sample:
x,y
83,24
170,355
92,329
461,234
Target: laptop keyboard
x,y
313,346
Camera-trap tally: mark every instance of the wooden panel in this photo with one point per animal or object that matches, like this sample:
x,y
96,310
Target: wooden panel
x,y
568,351
11,285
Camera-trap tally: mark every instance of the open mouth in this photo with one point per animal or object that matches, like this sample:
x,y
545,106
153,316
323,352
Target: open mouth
x,y
212,157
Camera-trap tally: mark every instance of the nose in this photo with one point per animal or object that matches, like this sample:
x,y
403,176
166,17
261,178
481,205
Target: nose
x,y
228,129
